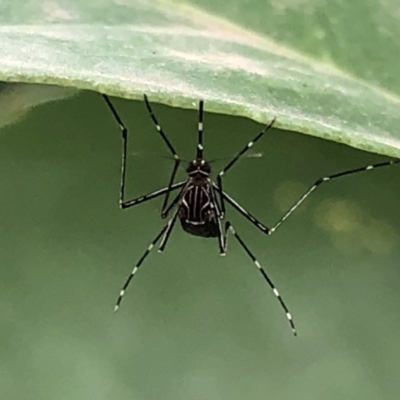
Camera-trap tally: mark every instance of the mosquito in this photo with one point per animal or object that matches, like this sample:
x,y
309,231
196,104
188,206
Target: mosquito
x,y
200,202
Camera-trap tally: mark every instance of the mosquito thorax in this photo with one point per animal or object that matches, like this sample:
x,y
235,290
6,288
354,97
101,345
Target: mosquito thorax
x,y
198,167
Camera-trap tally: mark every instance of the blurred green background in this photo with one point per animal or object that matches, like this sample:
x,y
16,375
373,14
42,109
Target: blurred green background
x,y
192,325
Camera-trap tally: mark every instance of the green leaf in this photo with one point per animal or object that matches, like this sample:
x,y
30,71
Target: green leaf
x,y
332,74
18,98
193,325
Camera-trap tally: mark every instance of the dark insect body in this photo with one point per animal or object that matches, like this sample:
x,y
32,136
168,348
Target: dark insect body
x,y
200,202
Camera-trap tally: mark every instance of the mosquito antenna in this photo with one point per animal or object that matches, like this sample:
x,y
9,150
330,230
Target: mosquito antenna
x,y
250,155
200,132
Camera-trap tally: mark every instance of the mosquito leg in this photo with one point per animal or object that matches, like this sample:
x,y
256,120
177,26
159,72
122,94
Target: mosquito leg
x,y
137,266
246,148
152,195
263,228
124,133
171,149
165,209
229,227
175,201
168,231
220,191
199,154
165,191
219,217
235,159
317,183
328,178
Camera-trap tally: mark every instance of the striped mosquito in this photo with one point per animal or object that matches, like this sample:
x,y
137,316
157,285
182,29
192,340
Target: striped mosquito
x,y
200,202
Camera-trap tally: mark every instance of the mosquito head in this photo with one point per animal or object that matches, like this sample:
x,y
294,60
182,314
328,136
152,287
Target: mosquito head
x,y
198,167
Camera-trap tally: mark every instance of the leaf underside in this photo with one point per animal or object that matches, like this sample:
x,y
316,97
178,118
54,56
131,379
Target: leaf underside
x,y
177,54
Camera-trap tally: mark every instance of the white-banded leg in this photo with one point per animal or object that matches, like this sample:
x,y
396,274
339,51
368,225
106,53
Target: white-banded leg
x,y
328,178
229,228
218,216
200,148
124,133
269,231
137,266
165,209
263,228
168,231
152,195
129,203
175,201
171,149
235,159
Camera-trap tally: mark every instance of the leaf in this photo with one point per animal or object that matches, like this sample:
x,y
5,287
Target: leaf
x,y
18,98
322,79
